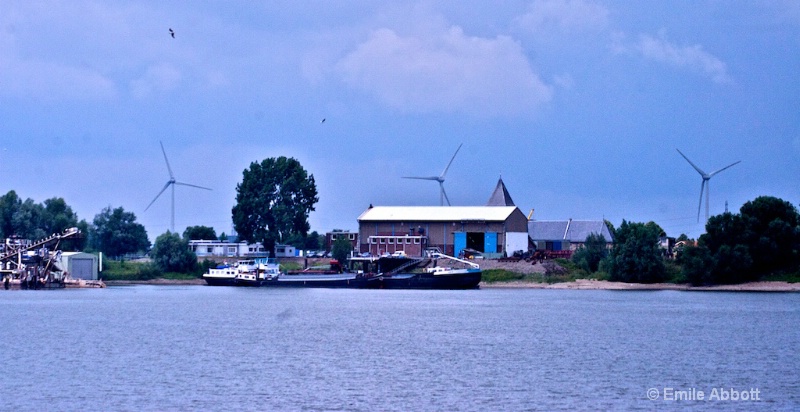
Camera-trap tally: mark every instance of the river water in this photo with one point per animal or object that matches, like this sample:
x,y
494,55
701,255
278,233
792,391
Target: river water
x,y
175,348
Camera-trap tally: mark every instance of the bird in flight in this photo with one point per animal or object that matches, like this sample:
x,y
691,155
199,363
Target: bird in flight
x,y
322,121
172,33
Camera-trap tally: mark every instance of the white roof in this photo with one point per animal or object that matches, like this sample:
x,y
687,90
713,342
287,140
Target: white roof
x,y
437,213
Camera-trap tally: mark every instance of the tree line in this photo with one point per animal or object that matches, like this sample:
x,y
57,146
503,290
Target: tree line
x,y
760,241
273,203
113,231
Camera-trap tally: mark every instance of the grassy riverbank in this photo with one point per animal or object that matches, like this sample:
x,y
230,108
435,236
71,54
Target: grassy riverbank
x,y
140,271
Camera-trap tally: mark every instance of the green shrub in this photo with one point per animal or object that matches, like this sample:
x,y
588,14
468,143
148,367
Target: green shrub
x,y
285,267
148,271
122,270
500,275
782,277
558,270
673,272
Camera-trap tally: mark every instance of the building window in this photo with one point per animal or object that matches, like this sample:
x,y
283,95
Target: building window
x,y
416,240
209,249
231,250
408,240
372,240
352,236
383,240
391,240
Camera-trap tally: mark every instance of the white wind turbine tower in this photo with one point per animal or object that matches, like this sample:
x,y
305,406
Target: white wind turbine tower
x,y
171,182
706,182
440,179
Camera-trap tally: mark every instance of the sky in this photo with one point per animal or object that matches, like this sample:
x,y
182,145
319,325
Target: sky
x,y
579,105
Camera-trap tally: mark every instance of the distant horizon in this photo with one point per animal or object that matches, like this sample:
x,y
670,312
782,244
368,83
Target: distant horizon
x,y
232,232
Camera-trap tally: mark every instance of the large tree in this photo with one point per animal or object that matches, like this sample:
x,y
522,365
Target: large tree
x,y
636,256
341,248
273,201
593,251
171,254
762,239
58,217
199,233
773,234
28,220
9,204
116,233
34,220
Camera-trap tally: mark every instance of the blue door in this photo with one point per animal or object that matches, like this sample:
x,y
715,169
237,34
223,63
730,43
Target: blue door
x,y
459,242
490,242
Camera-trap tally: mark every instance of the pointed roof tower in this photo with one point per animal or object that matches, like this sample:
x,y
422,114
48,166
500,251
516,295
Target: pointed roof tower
x,y
500,196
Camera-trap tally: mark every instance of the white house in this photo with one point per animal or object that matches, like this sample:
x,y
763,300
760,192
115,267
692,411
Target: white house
x,y
217,248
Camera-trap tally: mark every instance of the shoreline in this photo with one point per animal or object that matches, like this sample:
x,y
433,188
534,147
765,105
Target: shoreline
x,y
157,281
579,284
591,284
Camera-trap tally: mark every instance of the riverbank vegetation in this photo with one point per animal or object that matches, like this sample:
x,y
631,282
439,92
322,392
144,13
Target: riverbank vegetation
x,y
129,270
760,242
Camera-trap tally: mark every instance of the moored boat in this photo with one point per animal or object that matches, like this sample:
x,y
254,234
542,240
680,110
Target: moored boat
x,y
318,280
388,272
332,276
225,275
441,279
222,275
401,272
261,271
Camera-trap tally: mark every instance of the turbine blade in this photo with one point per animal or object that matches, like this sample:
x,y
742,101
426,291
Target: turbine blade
x,y
441,186
171,176
451,162
191,185
730,165
693,165
422,178
159,194
702,187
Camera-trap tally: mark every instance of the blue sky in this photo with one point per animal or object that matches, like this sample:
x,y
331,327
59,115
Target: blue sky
x,y
579,104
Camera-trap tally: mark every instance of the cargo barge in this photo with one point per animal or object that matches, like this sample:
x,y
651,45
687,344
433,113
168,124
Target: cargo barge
x,y
387,272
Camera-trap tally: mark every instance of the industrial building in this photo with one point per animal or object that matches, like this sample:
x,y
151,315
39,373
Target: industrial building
x,y
497,229
79,265
565,235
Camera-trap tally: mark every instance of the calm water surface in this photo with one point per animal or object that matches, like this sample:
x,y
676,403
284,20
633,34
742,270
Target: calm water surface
x,y
221,348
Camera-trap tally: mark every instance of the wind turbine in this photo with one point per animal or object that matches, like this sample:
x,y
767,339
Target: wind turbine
x,y
440,179
706,182
171,182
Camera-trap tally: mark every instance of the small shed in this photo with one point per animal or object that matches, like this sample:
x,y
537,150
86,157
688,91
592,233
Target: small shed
x,y
285,251
79,265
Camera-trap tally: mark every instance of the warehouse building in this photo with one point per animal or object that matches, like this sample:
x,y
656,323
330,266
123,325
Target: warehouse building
x,y
565,235
497,229
79,265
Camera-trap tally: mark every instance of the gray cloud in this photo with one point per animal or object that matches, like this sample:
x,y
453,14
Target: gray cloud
x,y
564,16
447,72
691,57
